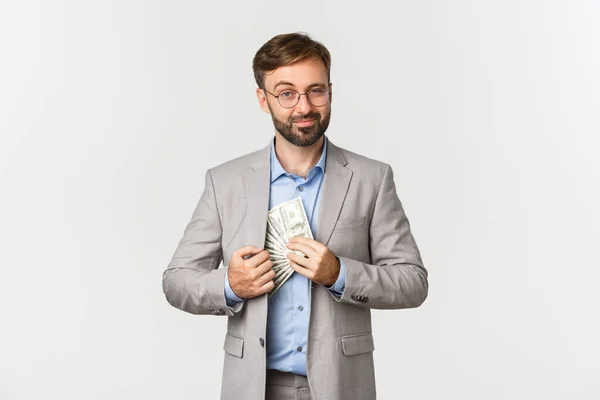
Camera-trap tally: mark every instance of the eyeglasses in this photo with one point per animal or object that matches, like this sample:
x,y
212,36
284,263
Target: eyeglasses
x,y
288,98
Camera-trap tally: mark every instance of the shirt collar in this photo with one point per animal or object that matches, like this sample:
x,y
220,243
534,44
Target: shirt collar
x,y
277,170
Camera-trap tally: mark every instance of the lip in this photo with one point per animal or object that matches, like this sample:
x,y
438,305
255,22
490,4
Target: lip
x,y
305,122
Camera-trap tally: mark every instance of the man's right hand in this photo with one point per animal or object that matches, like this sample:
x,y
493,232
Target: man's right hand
x,y
251,272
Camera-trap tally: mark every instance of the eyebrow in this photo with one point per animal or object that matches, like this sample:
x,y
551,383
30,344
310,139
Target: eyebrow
x,y
312,85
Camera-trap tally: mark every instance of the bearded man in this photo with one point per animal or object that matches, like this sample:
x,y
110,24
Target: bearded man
x,y
312,338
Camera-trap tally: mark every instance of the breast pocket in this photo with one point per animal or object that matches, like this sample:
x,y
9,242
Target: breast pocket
x,y
350,238
350,222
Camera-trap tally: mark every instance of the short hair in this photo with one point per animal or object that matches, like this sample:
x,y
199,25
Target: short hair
x,y
286,49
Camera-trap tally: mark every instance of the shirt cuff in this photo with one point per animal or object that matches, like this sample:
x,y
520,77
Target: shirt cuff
x,y
340,284
231,298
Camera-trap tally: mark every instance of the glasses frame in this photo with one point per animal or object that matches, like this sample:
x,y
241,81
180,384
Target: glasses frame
x,y
300,95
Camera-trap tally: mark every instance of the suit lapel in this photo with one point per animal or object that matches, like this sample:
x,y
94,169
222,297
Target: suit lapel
x,y
258,186
335,186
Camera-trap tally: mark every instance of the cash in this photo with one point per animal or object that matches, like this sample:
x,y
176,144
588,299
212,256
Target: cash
x,y
285,221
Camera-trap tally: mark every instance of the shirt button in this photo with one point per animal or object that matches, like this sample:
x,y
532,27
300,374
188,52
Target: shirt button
x,y
299,349
300,308
300,188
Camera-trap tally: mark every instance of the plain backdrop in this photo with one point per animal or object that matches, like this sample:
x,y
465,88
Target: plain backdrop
x,y
488,112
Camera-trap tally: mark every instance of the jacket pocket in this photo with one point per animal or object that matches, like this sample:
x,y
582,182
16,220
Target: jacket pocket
x,y
234,346
357,344
348,222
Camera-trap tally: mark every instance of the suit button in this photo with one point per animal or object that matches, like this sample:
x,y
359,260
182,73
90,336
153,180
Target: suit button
x,y
262,342
354,297
366,299
213,312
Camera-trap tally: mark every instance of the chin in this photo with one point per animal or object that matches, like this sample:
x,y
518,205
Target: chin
x,y
306,139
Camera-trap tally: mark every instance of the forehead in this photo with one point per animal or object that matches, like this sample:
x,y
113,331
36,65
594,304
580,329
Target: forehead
x,y
301,74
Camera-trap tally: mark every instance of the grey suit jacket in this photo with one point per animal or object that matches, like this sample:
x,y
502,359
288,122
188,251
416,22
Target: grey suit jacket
x,y
361,221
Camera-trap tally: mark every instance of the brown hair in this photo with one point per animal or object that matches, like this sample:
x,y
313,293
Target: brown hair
x,y
286,49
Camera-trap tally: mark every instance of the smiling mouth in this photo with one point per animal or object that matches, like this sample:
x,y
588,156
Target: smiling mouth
x,y
304,122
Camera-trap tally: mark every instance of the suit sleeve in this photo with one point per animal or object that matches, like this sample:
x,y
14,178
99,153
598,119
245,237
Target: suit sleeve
x,y
193,281
396,278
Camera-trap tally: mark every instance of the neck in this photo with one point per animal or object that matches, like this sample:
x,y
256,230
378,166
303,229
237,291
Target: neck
x,y
295,159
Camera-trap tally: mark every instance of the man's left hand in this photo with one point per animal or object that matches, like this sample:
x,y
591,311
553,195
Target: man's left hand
x,y
320,265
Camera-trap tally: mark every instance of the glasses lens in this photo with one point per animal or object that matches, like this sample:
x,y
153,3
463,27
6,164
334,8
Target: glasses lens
x,y
318,97
288,98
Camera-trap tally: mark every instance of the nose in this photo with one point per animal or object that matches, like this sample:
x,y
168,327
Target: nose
x,y
303,106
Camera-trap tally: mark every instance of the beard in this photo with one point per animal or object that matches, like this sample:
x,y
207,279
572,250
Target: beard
x,y
302,136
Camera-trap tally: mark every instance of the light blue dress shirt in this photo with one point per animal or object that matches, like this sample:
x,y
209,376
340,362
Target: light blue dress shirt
x,y
289,308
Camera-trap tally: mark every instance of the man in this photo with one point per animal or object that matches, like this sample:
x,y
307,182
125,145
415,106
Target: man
x,y
312,339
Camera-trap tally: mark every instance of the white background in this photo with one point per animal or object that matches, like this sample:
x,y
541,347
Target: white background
x,y
488,111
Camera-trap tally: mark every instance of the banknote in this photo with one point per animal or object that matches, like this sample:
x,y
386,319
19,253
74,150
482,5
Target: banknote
x,y
285,221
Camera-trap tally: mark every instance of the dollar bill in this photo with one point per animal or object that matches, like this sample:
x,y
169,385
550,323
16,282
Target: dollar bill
x,y
285,221
294,219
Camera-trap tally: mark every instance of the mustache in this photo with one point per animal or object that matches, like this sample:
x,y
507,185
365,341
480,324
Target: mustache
x,y
316,116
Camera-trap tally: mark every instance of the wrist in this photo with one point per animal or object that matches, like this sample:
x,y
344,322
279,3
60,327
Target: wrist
x,y
229,287
337,274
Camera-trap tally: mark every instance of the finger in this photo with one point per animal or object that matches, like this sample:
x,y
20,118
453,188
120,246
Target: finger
x,y
264,267
258,259
307,241
309,251
302,270
304,262
267,287
268,276
246,251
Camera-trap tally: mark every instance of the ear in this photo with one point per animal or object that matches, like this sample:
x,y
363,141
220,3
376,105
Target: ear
x,y
262,100
330,92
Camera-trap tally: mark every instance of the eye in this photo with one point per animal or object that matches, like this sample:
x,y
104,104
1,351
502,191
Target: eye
x,y
318,91
286,93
